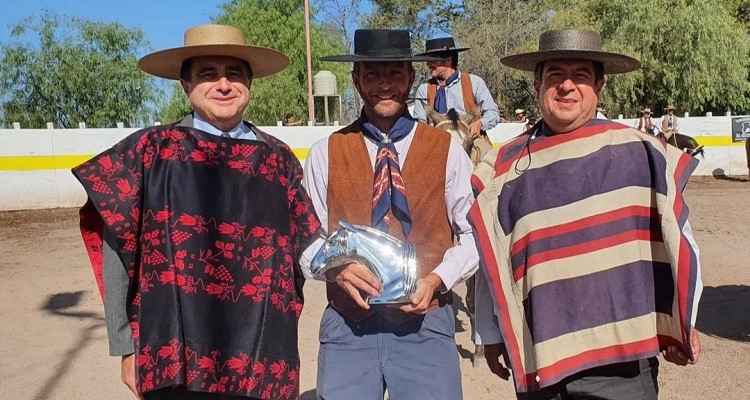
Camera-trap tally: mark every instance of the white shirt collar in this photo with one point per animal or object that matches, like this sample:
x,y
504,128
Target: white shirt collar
x,y
241,131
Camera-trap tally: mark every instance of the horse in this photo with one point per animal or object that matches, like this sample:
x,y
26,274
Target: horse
x,y
684,143
458,126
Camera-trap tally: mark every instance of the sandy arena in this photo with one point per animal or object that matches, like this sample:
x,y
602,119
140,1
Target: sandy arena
x,y
54,343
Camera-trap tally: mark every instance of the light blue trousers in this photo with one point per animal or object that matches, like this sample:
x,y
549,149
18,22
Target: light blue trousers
x,y
414,360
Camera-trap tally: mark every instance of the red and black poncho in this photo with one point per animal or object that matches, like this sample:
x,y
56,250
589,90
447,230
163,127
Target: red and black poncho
x,y
210,230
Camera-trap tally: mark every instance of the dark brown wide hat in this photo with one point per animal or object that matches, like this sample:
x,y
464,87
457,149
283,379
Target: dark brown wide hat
x,y
380,45
441,45
213,40
572,44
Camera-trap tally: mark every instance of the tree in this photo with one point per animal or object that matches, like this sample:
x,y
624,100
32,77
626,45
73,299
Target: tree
x,y
694,53
341,16
494,29
279,24
79,71
424,18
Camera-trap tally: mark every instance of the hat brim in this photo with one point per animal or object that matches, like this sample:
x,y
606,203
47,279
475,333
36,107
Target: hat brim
x,y
167,63
359,58
457,50
613,63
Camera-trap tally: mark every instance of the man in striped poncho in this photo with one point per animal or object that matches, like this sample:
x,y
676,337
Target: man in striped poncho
x,y
589,266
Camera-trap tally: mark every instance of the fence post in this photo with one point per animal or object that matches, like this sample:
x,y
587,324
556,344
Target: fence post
x,y
16,125
120,125
81,125
50,125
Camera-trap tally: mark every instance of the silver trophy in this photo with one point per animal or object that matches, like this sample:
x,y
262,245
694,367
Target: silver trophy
x,y
391,260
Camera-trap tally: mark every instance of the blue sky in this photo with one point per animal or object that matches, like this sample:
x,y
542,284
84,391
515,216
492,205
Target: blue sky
x,y
163,21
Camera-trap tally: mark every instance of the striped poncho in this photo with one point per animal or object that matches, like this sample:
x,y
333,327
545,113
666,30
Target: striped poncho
x,y
581,239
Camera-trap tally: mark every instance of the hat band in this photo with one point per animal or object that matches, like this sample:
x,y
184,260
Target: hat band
x,y
384,53
569,43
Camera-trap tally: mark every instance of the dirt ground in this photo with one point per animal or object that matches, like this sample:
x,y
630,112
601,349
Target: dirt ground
x,y
53,343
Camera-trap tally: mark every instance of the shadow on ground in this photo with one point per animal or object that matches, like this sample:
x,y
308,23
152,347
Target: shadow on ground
x,y
719,174
59,304
725,312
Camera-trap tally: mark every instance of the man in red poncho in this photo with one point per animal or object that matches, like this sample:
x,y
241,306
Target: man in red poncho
x,y
195,230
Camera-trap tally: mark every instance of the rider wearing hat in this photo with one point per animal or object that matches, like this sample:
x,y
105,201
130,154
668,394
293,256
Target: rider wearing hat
x,y
585,244
644,123
450,88
669,123
388,171
202,223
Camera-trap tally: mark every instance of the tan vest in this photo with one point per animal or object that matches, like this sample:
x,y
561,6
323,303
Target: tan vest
x,y
665,123
466,92
350,187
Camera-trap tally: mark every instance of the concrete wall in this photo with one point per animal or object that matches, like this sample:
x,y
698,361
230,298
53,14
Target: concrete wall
x,y
35,163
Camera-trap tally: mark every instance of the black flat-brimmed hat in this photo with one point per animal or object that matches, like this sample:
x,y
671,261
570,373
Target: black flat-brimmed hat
x,y
572,44
380,45
441,45
213,40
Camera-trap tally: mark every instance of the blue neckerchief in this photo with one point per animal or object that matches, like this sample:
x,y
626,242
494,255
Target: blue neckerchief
x,y
441,99
387,167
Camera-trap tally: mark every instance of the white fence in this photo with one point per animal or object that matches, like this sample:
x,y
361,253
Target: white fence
x,y
35,163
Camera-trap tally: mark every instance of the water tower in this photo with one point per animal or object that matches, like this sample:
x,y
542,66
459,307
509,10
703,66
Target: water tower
x,y
324,87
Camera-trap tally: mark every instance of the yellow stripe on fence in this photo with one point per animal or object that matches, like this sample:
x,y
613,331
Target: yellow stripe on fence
x,y
706,141
36,163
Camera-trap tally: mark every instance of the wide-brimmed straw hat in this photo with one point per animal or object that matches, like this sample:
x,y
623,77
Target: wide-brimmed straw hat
x,y
213,40
441,45
670,107
572,44
380,45
519,111
646,110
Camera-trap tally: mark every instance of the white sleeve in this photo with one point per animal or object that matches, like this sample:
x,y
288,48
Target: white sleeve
x,y
315,181
485,319
461,260
687,230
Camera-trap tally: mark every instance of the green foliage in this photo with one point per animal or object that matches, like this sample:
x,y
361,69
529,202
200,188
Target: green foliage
x,y
493,30
79,71
177,108
422,17
694,54
278,24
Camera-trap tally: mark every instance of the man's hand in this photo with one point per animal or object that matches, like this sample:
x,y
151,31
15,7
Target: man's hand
x,y
420,300
128,373
475,128
492,353
674,355
356,279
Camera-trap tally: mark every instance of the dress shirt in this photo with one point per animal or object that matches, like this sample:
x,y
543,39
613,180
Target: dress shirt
x,y
241,131
455,99
459,261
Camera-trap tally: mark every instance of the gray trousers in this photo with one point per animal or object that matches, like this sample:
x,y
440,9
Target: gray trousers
x,y
415,360
634,380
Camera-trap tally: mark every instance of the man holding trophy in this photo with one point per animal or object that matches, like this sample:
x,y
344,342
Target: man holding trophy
x,y
391,194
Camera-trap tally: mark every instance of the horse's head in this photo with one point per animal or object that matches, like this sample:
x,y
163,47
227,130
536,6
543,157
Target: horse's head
x,y
454,123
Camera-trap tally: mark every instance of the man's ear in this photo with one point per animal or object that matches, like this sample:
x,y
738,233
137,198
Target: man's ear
x,y
185,86
600,85
537,85
355,81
